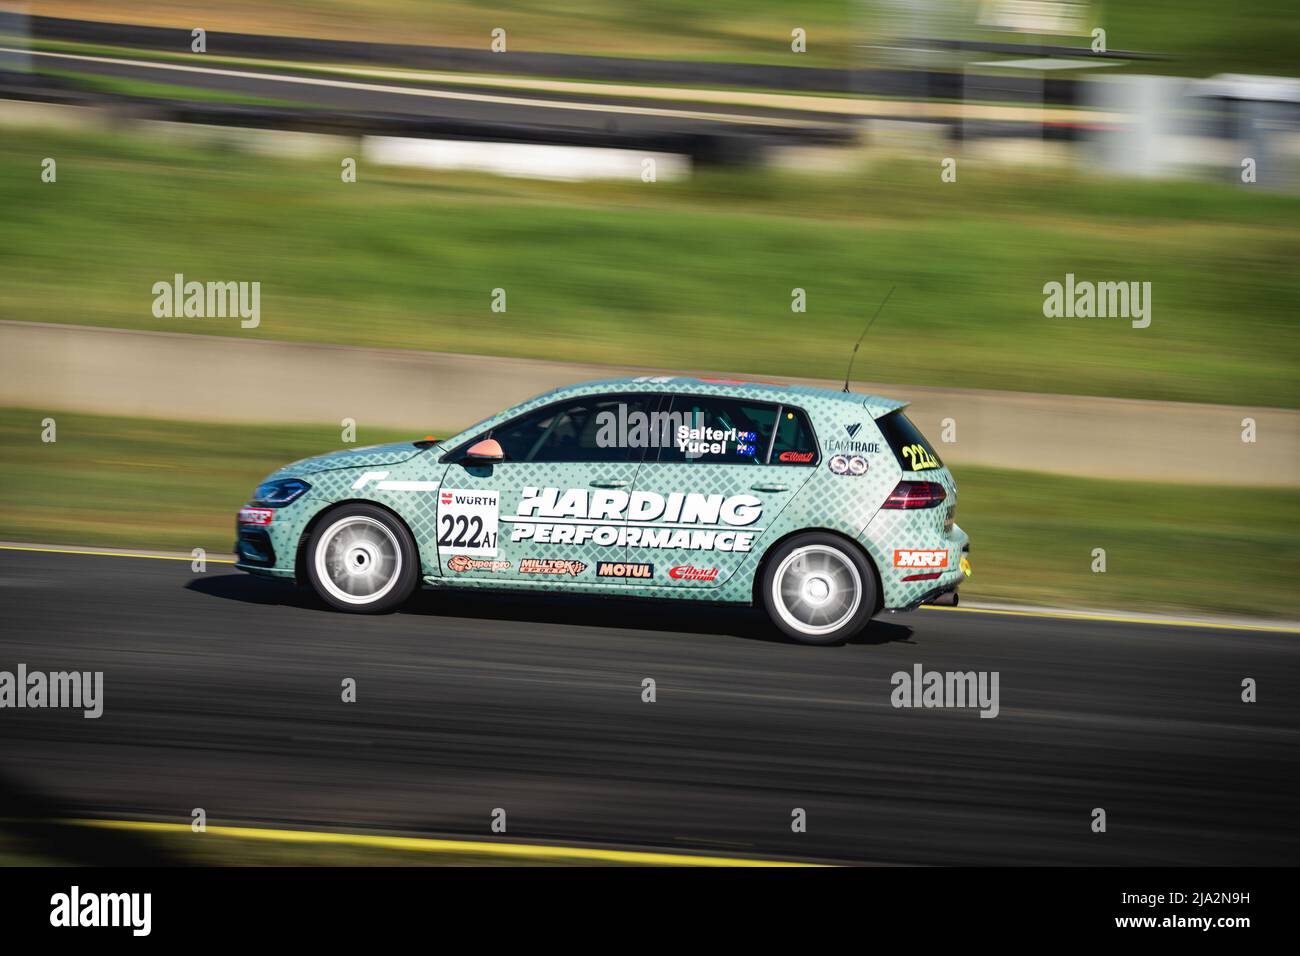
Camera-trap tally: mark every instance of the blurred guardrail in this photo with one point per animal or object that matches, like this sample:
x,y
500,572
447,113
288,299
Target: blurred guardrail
x,y
222,378
562,65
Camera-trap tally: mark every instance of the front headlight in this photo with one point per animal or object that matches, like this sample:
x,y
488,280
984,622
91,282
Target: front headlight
x,y
278,493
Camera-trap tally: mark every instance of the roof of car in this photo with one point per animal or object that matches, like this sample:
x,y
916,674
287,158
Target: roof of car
x,y
877,405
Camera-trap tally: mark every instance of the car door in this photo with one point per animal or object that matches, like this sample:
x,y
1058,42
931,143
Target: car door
x,y
702,505
554,510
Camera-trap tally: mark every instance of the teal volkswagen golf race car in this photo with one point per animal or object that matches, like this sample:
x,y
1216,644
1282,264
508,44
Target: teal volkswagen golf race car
x,y
822,507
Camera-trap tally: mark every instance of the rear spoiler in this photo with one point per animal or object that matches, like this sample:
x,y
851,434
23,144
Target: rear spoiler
x,y
879,407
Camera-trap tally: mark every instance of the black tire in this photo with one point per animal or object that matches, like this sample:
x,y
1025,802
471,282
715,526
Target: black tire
x,y
818,588
362,560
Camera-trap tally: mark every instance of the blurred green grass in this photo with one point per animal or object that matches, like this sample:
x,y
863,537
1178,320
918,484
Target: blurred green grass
x,y
128,86
176,486
691,275
1203,36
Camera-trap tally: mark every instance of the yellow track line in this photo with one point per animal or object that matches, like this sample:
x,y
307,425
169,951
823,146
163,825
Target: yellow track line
x,y
1121,619
1058,615
428,845
114,554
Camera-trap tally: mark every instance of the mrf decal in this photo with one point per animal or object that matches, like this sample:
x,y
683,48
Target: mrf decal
x,y
679,521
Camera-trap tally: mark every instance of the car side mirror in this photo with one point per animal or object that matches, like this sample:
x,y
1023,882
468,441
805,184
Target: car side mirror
x,y
485,452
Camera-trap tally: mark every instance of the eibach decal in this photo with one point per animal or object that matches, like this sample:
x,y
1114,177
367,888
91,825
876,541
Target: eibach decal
x,y
688,572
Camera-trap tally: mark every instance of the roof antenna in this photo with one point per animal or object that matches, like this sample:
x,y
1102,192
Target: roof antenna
x,y
854,355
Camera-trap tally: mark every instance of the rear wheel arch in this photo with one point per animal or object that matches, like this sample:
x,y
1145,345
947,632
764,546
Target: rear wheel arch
x,y
772,548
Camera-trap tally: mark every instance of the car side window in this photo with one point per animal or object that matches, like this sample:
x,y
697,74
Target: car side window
x,y
794,444
596,428
718,430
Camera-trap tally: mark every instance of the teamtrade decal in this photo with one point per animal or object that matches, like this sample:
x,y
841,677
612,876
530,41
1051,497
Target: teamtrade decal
x,y
460,562
467,521
624,569
679,521
911,558
551,566
834,445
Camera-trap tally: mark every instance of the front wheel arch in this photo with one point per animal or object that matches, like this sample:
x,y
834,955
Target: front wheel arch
x,y
300,557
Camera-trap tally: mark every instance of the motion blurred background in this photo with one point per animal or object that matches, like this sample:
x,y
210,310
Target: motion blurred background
x,y
452,206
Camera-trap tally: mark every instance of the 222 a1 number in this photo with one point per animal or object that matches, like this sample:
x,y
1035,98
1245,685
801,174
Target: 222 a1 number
x,y
920,458
461,531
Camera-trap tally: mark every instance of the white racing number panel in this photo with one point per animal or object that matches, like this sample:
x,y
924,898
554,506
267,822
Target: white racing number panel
x,y
467,522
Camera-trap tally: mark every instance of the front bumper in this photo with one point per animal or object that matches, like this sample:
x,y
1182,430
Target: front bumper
x,y
272,549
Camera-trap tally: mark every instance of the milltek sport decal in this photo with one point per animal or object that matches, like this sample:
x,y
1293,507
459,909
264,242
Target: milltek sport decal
x,y
551,566
679,521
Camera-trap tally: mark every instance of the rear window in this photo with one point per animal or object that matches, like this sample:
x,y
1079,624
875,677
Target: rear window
x,y
911,449
794,444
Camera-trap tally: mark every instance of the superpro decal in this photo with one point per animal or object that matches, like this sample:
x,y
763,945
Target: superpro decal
x,y
467,521
460,563
679,521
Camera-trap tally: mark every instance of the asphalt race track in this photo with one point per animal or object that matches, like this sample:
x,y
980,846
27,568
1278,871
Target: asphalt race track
x,y
223,692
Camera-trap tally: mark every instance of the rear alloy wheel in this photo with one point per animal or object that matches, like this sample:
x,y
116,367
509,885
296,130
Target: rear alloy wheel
x,y
363,560
818,589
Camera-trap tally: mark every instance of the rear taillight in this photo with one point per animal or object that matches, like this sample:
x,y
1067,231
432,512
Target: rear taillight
x,y
916,494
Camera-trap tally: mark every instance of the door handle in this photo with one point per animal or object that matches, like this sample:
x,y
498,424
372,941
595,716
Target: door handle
x,y
770,488
610,483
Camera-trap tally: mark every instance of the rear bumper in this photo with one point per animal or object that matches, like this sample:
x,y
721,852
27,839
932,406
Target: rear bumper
x,y
946,595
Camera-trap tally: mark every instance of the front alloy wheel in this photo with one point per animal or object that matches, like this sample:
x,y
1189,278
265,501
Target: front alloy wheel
x,y
819,589
361,559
